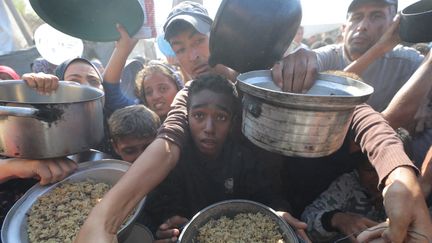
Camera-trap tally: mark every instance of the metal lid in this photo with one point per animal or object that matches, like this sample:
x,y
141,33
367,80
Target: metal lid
x,y
329,91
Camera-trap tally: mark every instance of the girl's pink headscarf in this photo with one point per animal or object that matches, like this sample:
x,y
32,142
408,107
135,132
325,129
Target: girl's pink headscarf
x,y
10,71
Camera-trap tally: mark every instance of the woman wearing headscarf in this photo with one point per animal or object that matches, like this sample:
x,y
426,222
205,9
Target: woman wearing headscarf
x,y
79,70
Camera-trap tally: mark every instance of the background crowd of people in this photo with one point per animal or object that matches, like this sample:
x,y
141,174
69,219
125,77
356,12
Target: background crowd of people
x,y
180,127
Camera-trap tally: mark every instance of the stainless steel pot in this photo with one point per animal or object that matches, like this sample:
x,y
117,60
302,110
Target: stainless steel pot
x,y
305,125
37,126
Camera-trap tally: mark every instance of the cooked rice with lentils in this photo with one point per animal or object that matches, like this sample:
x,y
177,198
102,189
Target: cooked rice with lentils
x,y
58,215
245,227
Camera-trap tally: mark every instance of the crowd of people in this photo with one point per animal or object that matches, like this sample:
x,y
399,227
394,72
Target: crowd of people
x,y
182,135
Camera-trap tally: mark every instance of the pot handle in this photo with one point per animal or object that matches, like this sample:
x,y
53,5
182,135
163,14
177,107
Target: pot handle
x,y
252,105
18,111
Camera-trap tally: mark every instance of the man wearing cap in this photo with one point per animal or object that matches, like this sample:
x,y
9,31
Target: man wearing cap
x,y
187,29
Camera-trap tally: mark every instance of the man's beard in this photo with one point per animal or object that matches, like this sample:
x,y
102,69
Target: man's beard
x,y
358,50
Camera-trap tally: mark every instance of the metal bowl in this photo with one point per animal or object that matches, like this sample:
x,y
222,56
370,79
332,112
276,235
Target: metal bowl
x,y
414,23
305,125
14,229
230,208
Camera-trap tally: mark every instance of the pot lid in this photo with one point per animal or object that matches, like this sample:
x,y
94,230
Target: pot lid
x,y
93,20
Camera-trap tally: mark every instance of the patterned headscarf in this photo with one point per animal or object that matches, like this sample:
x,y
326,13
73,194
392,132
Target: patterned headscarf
x,y
42,65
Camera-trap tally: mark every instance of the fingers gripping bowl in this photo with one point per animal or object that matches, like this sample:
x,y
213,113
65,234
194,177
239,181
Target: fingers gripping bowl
x,y
15,226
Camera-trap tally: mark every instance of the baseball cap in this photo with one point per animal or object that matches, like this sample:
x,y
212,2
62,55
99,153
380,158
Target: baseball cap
x,y
191,12
356,3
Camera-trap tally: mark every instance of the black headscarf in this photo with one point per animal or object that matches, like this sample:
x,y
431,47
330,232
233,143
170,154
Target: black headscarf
x,y
61,69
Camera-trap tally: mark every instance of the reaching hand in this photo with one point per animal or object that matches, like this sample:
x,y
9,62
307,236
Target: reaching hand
x,y
408,216
125,43
296,72
170,230
298,225
351,224
42,82
47,171
376,233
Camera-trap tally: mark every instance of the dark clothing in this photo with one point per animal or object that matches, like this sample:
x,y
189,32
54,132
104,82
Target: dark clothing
x,y
195,184
307,178
10,192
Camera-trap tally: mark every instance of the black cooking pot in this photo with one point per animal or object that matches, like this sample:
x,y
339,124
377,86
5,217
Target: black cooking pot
x,y
252,35
415,22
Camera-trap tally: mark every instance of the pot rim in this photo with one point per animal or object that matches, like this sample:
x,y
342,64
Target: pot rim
x,y
406,11
62,84
303,100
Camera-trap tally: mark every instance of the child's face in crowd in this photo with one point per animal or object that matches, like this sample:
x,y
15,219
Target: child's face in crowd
x,y
130,148
192,51
210,117
84,74
159,93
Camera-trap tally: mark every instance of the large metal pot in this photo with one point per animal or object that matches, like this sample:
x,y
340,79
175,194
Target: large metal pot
x,y
37,126
305,125
252,35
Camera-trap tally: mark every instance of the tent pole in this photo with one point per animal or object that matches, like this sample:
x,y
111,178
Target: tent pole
x,y
20,21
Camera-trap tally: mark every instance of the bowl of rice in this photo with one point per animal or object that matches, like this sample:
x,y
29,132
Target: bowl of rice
x,y
233,221
55,213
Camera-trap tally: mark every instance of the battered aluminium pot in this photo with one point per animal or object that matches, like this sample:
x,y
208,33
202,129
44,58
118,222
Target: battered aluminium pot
x,y
38,126
304,125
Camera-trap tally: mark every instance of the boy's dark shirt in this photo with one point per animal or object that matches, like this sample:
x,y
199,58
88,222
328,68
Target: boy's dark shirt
x,y
10,192
193,184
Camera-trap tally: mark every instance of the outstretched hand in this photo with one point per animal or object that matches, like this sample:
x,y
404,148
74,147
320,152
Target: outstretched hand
x,y
125,43
298,225
46,171
169,231
408,217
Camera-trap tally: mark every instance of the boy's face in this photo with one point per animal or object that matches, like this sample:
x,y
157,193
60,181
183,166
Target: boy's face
x,y
130,148
210,117
192,51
